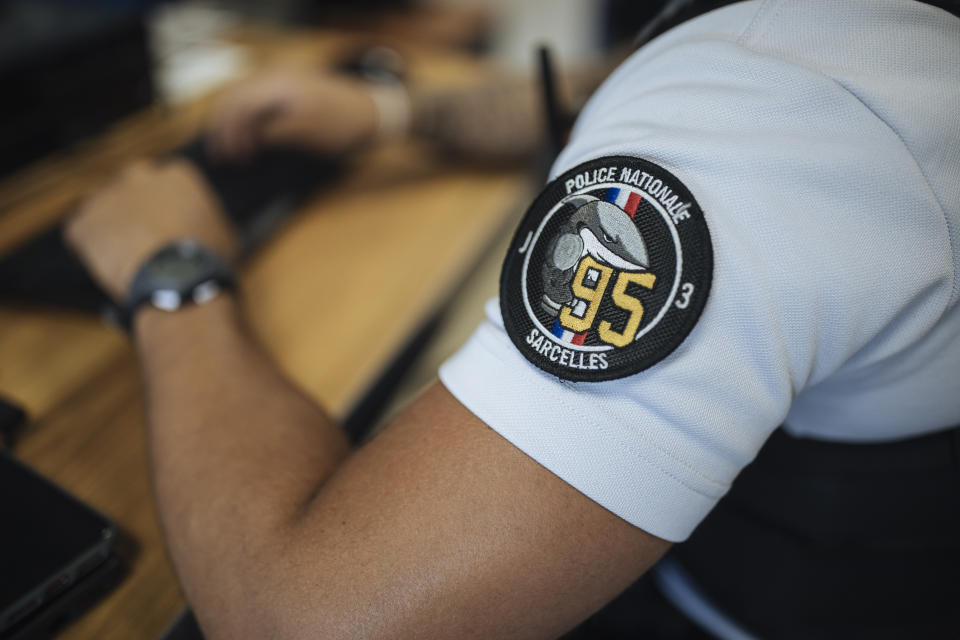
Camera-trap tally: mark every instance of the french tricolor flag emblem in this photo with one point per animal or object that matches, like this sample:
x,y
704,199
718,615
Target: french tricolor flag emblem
x,y
566,335
625,199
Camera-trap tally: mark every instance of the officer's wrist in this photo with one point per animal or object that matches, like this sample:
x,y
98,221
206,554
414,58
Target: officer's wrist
x,y
152,325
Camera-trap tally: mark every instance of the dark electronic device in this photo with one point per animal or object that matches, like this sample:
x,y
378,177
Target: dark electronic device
x,y
12,418
49,543
67,71
46,622
184,627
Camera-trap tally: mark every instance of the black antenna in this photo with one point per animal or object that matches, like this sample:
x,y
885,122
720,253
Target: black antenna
x,y
551,107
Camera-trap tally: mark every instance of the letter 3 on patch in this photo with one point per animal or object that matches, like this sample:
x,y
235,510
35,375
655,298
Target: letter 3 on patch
x,y
612,264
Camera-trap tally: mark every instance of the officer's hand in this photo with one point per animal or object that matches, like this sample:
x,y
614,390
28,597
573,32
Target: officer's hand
x,y
323,112
146,207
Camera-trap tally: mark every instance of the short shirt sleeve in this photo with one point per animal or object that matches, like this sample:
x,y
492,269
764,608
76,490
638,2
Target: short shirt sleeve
x,y
814,206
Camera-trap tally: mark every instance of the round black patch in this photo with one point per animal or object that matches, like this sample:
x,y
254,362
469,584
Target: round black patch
x,y
608,272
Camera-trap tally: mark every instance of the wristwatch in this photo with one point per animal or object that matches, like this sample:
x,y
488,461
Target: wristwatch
x,y
177,275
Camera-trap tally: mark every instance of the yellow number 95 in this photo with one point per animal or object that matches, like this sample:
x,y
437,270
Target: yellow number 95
x,y
593,295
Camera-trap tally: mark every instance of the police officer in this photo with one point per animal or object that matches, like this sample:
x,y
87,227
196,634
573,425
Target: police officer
x,y
755,225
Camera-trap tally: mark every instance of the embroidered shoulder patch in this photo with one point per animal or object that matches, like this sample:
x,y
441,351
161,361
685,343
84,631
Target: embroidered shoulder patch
x,y
608,272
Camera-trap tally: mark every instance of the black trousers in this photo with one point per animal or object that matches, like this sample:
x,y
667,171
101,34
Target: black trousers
x,y
639,612
821,540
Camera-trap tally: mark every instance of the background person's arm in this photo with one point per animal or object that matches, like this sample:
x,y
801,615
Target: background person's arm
x,y
498,118
437,528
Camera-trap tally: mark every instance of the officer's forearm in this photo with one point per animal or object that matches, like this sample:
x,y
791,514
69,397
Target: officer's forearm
x,y
237,451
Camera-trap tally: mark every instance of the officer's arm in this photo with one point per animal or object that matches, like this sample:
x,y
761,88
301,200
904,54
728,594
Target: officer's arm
x,y
437,528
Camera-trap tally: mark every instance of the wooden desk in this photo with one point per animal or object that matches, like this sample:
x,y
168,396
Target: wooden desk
x,y
334,298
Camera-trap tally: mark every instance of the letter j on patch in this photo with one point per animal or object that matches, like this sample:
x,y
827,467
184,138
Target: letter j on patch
x,y
608,272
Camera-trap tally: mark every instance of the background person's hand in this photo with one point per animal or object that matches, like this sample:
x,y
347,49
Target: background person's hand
x,y
309,109
148,206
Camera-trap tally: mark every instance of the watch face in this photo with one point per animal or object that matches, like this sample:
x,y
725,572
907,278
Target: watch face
x,y
179,264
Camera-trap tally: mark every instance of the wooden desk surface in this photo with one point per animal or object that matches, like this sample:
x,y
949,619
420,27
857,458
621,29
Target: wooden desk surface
x,y
334,298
